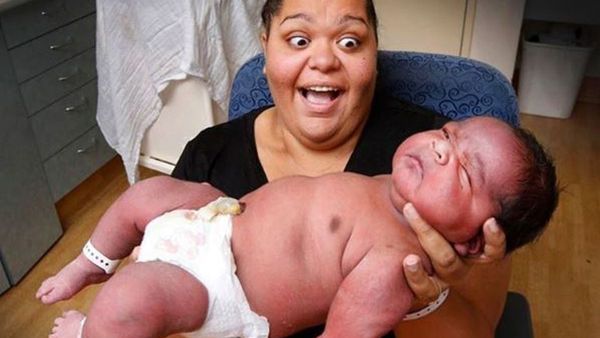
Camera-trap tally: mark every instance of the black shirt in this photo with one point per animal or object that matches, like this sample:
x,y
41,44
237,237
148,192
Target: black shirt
x,y
226,157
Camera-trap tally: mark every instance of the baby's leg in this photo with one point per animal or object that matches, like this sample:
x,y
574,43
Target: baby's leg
x,y
121,228
150,299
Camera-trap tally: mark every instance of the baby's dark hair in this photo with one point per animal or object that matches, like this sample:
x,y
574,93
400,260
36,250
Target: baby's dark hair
x,y
272,7
526,212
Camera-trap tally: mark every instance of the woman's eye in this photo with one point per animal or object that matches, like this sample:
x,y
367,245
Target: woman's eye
x,y
299,41
348,43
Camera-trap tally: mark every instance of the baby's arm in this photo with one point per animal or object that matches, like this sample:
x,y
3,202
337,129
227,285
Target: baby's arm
x,y
121,228
372,298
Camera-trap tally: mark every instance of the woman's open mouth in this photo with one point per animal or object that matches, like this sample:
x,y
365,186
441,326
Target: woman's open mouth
x,y
320,95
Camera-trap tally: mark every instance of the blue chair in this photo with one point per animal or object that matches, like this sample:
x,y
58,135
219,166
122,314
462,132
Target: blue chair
x,y
453,86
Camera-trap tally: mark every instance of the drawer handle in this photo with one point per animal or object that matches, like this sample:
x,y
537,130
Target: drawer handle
x,y
87,148
68,41
67,77
82,102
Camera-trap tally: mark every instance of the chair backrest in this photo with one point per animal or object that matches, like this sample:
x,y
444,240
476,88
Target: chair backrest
x,y
453,86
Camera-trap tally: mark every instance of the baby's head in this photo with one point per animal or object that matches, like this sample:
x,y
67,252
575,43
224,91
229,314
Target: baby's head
x,y
468,171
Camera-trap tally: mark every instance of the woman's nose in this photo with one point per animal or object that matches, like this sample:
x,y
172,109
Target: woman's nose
x,y
323,58
441,149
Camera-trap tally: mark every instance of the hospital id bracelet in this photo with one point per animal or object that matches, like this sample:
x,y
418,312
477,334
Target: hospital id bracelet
x,y
93,255
429,308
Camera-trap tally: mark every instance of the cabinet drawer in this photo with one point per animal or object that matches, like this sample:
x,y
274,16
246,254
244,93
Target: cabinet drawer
x,y
76,162
48,87
63,121
51,49
35,18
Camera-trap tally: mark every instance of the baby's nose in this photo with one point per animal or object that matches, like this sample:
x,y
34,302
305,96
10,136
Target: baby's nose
x,y
441,151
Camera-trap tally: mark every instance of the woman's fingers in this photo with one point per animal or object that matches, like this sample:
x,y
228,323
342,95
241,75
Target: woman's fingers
x,y
495,241
446,262
426,288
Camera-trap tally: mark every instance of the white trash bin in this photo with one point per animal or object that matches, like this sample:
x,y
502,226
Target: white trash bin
x,y
550,78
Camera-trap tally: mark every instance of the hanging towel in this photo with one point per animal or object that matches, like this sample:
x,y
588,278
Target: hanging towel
x,y
142,45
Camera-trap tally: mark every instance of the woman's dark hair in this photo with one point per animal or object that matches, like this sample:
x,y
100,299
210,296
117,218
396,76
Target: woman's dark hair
x,y
525,213
272,7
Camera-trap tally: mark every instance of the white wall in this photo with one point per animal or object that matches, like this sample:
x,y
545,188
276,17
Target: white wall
x,y
434,26
187,109
496,31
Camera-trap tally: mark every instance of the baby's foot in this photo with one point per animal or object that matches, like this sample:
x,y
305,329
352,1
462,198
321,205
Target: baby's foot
x,y
68,281
68,325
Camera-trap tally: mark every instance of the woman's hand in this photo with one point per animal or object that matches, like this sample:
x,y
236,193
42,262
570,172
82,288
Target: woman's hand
x,y
448,266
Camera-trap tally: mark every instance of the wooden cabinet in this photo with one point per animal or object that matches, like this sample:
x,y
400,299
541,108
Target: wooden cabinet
x,y
50,140
28,221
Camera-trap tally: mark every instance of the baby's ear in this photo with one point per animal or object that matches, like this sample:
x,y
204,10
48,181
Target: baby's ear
x,y
473,247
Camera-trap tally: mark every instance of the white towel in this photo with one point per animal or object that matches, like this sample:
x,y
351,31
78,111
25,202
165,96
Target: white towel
x,y
141,45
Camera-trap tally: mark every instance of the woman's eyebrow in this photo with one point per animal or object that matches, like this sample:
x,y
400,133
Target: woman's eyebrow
x,y
341,21
351,18
301,16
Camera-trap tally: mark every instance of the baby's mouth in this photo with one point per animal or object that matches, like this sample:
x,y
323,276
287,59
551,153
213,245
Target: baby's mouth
x,y
320,94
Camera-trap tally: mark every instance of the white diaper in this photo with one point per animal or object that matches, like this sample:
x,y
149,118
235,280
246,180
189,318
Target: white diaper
x,y
202,246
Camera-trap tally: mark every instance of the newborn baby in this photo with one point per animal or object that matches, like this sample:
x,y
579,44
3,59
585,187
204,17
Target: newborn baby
x,y
302,250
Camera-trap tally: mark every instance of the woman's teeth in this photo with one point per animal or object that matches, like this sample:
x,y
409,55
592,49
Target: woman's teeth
x,y
320,94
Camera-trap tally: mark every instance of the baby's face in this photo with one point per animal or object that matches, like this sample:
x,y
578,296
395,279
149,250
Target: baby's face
x,y
456,175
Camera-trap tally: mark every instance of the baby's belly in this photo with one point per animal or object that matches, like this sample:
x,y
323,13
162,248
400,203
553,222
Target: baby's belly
x,y
289,303
293,288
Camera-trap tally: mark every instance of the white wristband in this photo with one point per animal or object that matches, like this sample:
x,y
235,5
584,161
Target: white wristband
x,y
429,308
93,255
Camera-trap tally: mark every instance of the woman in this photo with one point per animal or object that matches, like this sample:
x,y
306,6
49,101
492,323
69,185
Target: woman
x,y
321,69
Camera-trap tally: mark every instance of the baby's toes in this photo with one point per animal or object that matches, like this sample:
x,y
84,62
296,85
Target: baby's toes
x,y
53,295
45,288
57,322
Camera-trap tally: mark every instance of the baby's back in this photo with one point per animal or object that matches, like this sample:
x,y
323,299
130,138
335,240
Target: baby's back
x,y
299,237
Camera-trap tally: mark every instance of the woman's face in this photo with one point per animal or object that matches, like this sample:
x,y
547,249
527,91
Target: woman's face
x,y
321,66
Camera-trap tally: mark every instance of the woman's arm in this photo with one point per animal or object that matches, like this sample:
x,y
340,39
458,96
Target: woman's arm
x,y
449,267
478,291
472,309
